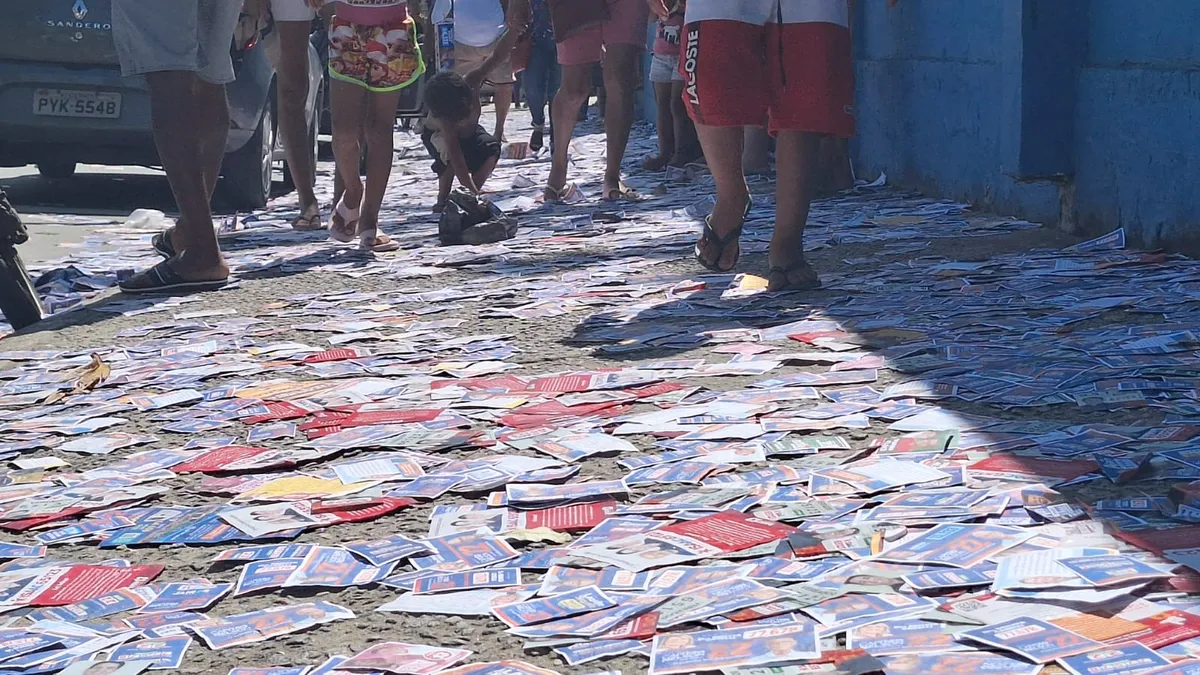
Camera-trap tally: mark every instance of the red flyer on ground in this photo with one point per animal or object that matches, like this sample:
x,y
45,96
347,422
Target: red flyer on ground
x,y
281,410
1012,466
569,518
356,510
1167,628
69,585
331,355
233,458
374,417
728,531
562,384
1158,541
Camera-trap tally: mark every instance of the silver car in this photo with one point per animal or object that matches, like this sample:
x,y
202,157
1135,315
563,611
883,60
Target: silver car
x,y
63,100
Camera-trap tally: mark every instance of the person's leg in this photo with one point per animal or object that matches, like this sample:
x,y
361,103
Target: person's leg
x,y
534,81
687,147
190,121
348,106
795,164
380,128
516,89
292,74
503,100
576,83
620,78
665,126
723,150
756,156
484,172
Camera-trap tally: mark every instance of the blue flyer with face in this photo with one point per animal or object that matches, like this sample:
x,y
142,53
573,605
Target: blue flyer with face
x,y
1123,659
263,574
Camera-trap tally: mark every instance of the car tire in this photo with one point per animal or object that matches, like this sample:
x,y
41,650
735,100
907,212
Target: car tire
x,y
246,173
314,143
18,298
56,168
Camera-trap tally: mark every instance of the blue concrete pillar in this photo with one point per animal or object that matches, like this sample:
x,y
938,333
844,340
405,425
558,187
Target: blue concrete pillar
x,y
1045,46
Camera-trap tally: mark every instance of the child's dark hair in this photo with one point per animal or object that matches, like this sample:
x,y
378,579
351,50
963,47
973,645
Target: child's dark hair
x,y
448,96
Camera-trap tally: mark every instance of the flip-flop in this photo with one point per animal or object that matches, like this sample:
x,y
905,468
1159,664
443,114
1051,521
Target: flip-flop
x,y
622,193
305,223
162,244
721,243
377,242
560,195
162,278
809,281
349,216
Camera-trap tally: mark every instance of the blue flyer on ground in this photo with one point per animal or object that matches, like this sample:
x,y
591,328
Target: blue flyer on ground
x,y
262,574
391,549
1112,570
558,606
165,653
176,597
1033,639
461,581
14,643
1123,659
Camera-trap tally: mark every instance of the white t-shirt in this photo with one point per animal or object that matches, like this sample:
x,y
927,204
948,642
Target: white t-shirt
x,y
477,23
761,12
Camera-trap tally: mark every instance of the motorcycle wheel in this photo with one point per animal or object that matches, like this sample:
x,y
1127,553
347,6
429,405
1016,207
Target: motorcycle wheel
x,y
18,299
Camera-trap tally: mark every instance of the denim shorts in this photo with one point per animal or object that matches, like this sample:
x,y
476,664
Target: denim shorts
x,y
664,68
195,36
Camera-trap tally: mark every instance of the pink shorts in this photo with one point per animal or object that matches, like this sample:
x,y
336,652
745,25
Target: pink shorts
x,y
626,25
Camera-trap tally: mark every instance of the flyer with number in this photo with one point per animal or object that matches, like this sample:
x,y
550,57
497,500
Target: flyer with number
x,y
678,653
1033,639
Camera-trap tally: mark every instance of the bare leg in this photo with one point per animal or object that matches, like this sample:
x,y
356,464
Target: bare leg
x,y
190,119
686,145
620,77
381,123
795,162
445,182
503,100
292,71
723,148
756,158
485,172
665,126
576,84
348,103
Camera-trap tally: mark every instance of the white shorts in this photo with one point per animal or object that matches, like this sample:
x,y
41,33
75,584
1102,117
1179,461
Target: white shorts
x,y
665,68
154,36
292,10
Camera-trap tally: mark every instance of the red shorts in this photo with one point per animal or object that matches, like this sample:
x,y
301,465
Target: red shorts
x,y
794,77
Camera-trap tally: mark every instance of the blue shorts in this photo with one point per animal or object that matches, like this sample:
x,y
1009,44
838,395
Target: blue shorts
x,y
195,36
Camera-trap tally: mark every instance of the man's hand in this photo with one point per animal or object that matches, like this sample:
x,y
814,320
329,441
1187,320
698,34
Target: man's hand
x,y
659,7
475,79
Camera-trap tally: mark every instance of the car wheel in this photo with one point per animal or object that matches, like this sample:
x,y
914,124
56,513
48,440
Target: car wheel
x,y
314,143
246,173
18,299
56,168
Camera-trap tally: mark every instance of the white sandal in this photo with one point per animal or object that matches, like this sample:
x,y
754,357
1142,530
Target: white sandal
x,y
349,218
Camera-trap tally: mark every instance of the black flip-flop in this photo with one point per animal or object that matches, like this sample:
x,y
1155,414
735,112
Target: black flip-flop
x,y
721,243
163,278
621,193
810,281
162,244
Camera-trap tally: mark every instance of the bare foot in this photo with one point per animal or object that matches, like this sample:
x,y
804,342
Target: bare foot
x,y
655,162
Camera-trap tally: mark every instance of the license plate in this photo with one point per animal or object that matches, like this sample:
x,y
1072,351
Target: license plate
x,y
68,103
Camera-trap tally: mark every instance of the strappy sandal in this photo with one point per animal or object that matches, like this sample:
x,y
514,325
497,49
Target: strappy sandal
x,y
162,278
310,223
721,243
344,234
376,242
809,281
563,195
621,193
162,244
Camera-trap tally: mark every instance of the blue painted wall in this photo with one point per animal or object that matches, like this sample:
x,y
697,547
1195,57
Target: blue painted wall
x,y
1081,113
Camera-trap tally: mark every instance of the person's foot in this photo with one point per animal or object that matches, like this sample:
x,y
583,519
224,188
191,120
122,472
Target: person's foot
x,y
788,268
726,218
440,206
309,219
654,162
537,138
343,225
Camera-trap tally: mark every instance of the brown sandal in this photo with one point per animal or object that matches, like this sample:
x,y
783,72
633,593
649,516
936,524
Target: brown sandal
x,y
780,279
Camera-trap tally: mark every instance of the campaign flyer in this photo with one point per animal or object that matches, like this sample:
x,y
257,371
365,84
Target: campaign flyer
x,y
459,552
586,652
924,664
391,549
1112,570
955,544
461,581
76,583
334,568
507,667
176,597
905,636
678,653
264,574
406,659
559,606
165,653
561,579
1031,638
250,627
1123,659
722,597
